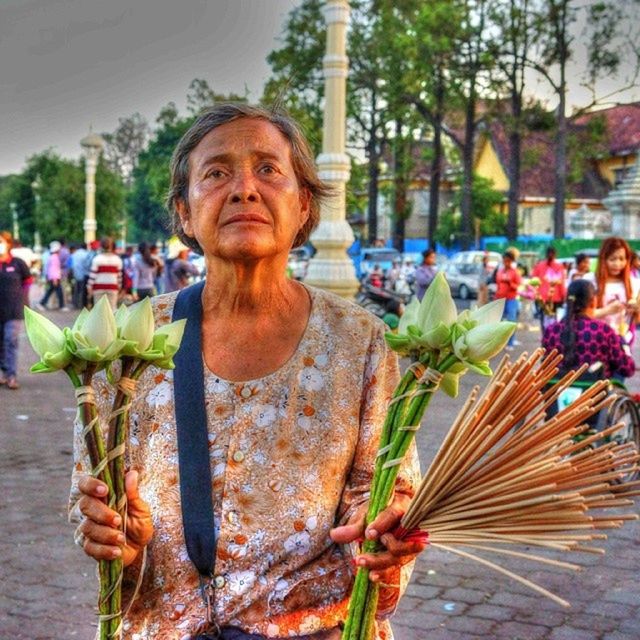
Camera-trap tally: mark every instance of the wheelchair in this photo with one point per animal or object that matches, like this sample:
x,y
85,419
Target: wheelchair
x,y
624,408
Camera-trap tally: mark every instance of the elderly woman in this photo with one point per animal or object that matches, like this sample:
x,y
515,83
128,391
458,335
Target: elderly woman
x,y
288,387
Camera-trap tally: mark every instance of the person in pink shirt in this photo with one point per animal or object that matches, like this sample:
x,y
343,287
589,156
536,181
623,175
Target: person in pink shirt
x,y
508,280
53,274
552,288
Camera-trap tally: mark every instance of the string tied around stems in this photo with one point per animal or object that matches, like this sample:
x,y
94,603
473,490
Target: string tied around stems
x,y
427,381
127,385
85,395
396,461
103,618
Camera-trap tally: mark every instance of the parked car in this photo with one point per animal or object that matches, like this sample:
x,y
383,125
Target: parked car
x,y
463,278
298,262
475,257
381,256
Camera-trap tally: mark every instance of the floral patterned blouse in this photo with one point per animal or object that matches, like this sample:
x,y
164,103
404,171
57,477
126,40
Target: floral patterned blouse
x,y
291,456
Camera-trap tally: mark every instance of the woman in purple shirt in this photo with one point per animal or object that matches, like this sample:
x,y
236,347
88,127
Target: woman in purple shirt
x,y
580,338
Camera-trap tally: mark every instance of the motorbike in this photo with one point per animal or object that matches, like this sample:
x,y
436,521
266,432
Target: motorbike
x,y
376,299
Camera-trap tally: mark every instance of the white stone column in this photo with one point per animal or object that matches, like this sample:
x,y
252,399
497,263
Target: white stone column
x,y
92,145
331,268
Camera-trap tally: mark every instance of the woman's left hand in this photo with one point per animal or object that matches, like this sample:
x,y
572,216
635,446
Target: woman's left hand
x,y
397,553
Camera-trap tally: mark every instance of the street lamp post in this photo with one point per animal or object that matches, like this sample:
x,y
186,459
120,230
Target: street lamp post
x,y
331,268
14,219
92,145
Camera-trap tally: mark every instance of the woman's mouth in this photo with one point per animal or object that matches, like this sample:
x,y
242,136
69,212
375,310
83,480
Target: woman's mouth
x,y
246,218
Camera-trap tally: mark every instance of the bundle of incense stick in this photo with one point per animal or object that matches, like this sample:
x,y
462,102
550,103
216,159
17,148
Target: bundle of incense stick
x,y
506,475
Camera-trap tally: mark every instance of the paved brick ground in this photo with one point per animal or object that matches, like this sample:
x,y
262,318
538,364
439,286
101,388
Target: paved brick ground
x,y
47,586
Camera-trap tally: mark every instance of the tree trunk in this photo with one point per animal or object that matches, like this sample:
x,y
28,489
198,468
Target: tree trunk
x,y
466,227
436,164
373,153
372,191
561,133
400,189
515,142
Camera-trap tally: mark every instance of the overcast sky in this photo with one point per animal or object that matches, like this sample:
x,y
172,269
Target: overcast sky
x,y
69,64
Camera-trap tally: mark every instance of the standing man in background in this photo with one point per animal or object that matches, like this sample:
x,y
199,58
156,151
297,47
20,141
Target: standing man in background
x,y
105,277
15,278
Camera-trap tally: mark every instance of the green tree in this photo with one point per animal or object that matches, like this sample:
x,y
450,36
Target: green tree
x,y
488,219
517,28
297,81
428,39
50,198
607,35
152,175
200,96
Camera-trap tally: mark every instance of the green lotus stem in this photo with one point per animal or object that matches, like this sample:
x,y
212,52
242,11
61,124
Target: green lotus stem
x,y
131,368
371,606
414,414
408,412
108,570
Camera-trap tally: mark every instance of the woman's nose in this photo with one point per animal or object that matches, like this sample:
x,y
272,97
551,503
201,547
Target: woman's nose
x,y
244,188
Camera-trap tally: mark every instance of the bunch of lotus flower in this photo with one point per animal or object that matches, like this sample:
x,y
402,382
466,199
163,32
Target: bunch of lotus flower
x,y
97,340
443,345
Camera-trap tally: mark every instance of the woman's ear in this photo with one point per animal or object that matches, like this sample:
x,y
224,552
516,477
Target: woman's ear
x,y
185,219
305,205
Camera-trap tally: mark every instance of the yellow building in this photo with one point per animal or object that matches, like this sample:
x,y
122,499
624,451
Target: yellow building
x,y
614,156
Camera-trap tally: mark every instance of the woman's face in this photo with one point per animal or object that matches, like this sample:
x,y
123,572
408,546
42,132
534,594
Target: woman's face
x,y
616,262
244,198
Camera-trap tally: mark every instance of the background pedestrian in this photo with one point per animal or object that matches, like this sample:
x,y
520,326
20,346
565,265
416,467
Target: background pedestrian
x,y
14,280
105,277
508,280
53,275
617,290
425,273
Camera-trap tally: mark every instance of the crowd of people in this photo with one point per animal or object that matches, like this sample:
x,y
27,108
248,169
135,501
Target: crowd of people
x,y
615,283
78,275
75,276
560,294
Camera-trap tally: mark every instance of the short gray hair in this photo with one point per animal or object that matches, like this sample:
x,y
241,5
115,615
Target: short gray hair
x,y
301,158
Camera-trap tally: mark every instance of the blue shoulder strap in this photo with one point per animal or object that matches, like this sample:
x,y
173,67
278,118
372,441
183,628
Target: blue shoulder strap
x,y
193,444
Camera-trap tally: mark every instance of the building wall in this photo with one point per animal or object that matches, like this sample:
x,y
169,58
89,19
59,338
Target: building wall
x,y
535,219
612,169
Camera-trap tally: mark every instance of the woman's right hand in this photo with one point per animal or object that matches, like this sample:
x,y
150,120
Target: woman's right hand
x,y
100,526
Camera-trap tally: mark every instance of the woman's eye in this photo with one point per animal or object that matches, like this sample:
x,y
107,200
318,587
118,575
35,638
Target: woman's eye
x,y
268,169
215,173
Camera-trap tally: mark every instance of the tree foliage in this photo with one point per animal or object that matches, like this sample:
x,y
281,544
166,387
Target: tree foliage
x,y
487,216
50,197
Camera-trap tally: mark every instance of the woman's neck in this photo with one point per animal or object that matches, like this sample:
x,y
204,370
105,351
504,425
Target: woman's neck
x,y
248,288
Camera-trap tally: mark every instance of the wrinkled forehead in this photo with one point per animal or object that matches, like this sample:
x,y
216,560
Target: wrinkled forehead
x,y
239,139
